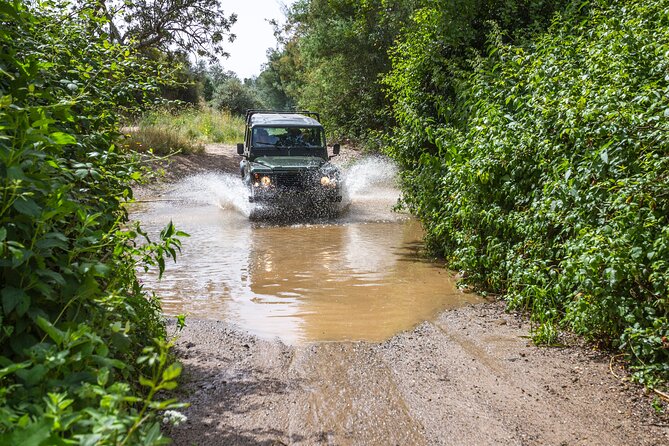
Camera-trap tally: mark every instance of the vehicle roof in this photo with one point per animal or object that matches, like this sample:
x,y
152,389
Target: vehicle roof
x,y
283,119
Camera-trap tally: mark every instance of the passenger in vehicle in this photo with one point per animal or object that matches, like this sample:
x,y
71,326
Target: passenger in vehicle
x,y
263,138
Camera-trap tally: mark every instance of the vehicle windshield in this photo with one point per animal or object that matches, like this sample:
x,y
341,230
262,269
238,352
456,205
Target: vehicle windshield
x,y
277,137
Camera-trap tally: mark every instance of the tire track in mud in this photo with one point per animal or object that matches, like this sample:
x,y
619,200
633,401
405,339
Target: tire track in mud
x,y
469,378
348,394
492,387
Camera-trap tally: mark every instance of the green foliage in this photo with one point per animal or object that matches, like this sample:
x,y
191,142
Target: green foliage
x,y
435,52
540,171
270,89
284,69
74,321
233,96
333,57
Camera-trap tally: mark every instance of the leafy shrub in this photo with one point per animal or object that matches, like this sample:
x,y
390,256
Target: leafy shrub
x,y
542,175
77,364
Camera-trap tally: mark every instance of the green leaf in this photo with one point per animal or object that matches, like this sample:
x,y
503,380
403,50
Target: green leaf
x,y
604,155
13,298
27,207
153,434
15,173
168,385
55,334
51,275
36,433
53,240
90,440
108,362
172,372
103,376
33,375
61,138
13,368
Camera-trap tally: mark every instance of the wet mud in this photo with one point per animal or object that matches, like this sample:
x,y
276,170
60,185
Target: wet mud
x,y
469,377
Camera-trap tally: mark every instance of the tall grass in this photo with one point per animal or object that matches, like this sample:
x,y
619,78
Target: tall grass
x,y
185,131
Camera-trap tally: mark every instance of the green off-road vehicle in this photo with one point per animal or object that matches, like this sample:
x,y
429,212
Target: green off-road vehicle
x,y
286,161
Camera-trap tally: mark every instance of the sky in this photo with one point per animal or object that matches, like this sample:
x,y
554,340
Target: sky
x,y
254,34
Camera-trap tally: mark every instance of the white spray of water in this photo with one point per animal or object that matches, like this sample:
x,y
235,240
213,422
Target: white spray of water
x,y
223,190
370,175
370,190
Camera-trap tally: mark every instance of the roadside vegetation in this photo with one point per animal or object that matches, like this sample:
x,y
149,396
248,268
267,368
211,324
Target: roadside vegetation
x,y
543,174
84,351
185,131
532,139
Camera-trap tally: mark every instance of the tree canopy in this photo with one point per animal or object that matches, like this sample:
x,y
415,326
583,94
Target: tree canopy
x,y
198,27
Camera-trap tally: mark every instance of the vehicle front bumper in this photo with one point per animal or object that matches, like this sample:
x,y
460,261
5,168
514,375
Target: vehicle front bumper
x,y
281,196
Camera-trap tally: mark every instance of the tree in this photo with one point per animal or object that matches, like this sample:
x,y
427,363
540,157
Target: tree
x,y
170,26
334,53
271,88
234,96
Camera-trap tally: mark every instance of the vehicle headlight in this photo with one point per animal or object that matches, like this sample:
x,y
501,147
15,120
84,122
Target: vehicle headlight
x,y
328,182
261,180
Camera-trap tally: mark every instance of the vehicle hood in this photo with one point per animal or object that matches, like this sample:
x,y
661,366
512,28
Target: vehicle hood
x,y
289,162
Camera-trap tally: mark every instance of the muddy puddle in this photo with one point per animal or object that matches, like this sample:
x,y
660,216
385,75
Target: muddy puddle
x,y
358,276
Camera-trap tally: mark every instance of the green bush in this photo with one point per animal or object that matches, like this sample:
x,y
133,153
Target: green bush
x,y
542,174
77,360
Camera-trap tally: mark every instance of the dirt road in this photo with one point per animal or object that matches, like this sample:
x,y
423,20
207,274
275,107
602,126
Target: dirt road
x,y
470,377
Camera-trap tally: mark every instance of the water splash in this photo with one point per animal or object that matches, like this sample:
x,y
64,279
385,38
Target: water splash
x,y
225,191
370,191
374,174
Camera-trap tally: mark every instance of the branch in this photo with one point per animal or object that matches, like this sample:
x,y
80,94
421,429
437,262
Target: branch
x,y
113,30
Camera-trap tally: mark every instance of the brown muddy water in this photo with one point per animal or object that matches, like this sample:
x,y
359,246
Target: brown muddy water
x,y
358,276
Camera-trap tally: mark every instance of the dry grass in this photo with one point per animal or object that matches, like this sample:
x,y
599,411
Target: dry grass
x,y
186,131
161,140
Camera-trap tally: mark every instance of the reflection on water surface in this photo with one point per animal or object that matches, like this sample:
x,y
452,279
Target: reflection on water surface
x,y
358,277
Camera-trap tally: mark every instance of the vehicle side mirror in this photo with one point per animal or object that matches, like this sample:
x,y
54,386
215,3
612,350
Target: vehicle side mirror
x,y
240,148
335,149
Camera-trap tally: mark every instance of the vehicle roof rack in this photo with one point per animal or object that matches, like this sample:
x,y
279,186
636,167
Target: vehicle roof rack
x,y
250,113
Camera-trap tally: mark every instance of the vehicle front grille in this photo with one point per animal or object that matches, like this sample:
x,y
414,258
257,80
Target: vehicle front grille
x,y
290,180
